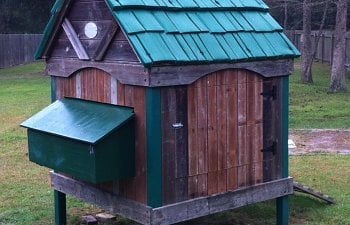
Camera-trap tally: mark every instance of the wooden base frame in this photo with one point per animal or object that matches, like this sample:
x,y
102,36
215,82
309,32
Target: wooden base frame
x,y
173,213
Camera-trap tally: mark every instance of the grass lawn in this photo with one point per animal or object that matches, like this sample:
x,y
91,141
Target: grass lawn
x,y
312,107
26,198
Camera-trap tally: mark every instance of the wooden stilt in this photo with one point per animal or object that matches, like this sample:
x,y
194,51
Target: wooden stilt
x,y
282,202
60,208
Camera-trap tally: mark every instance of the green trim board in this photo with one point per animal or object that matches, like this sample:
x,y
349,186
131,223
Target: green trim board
x,y
154,147
282,203
195,32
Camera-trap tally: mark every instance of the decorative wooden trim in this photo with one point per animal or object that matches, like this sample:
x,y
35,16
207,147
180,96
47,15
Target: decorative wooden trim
x,y
137,74
48,46
74,40
126,73
183,75
173,213
106,41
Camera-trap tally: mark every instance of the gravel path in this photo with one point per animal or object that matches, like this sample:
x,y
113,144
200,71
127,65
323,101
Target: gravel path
x,y
319,141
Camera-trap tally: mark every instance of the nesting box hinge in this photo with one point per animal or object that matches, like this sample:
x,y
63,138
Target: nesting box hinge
x,y
270,93
272,148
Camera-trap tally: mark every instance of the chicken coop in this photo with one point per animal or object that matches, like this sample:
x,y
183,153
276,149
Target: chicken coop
x,y
165,110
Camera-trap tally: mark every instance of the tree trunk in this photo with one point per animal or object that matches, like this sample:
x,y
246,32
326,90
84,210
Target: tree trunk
x,y
306,47
285,22
338,67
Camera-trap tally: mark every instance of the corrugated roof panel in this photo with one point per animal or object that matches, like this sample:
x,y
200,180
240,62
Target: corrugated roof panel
x,y
290,44
196,20
226,46
203,49
188,4
213,46
174,47
195,49
282,47
165,22
267,47
210,22
225,22
130,2
182,22
242,21
148,21
242,46
250,43
129,22
185,47
271,21
141,52
257,21
236,47
156,47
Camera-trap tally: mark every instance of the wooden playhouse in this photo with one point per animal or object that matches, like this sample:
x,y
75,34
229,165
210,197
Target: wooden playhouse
x,y
165,110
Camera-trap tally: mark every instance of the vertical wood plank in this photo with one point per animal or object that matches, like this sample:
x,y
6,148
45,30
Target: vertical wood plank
x,y
114,91
192,187
242,156
192,131
181,145
212,134
202,124
269,132
202,184
140,137
168,116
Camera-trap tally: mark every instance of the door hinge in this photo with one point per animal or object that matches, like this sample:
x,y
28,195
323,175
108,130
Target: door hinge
x,y
272,148
270,93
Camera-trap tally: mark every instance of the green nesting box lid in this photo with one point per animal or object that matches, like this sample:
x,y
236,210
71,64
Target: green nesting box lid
x,y
80,120
90,141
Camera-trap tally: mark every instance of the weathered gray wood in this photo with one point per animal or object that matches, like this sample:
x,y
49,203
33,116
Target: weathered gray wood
x,y
172,213
112,203
16,49
74,40
126,73
56,29
183,75
106,41
195,208
298,187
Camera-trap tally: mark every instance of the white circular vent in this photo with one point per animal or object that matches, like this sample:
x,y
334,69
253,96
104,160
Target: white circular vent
x,y
90,30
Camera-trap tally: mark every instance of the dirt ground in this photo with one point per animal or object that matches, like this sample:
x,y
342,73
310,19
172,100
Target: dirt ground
x,y
320,141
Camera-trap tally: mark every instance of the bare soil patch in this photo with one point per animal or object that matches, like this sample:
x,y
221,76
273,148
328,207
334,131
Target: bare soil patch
x,y
320,141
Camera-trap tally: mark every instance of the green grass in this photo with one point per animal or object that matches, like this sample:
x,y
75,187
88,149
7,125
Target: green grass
x,y
25,194
26,197
312,107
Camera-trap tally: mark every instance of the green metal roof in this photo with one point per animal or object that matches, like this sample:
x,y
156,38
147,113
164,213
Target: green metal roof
x,y
80,120
201,31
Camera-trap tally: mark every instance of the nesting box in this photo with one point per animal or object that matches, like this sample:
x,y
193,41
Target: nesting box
x,y
208,83
90,141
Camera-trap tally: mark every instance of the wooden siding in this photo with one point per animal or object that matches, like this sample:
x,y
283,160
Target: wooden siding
x,y
96,85
225,132
82,12
174,144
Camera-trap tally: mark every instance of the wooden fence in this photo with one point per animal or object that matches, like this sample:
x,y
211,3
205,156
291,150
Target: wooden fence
x,y
324,51
17,49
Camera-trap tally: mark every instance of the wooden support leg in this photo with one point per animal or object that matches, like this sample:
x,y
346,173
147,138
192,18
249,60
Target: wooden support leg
x,y
282,210
60,208
282,202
